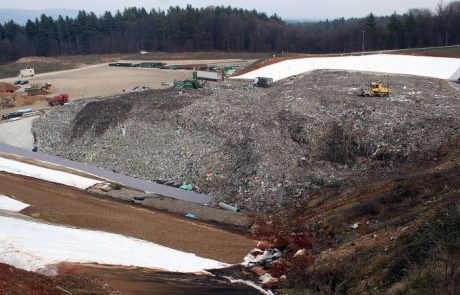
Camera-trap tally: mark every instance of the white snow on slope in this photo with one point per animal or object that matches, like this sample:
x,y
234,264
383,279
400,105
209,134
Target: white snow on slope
x,y
435,67
9,204
32,246
55,176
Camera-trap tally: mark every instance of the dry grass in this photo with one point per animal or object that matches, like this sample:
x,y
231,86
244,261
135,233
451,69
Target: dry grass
x,y
411,244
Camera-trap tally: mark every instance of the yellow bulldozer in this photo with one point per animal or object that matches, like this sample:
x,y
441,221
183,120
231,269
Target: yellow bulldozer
x,y
376,89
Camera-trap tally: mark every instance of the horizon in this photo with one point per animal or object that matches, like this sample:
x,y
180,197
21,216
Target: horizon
x,y
329,9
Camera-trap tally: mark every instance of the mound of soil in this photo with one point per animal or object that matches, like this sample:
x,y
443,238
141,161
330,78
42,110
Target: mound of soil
x,y
39,59
10,100
260,148
8,87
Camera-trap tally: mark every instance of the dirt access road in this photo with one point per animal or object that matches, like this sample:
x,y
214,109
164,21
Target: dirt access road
x,y
103,80
63,205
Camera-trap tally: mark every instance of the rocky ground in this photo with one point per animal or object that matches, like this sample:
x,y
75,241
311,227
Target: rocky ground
x,y
258,148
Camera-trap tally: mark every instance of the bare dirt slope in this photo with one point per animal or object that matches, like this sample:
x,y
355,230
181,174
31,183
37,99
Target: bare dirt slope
x,y
62,205
251,146
145,281
399,236
113,280
18,281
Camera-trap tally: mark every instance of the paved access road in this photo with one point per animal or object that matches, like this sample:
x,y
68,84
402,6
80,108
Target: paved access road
x,y
148,186
18,133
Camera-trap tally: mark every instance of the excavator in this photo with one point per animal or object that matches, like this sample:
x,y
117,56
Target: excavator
x,y
376,89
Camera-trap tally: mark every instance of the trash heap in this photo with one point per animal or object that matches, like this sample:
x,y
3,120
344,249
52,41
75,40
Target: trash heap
x,y
273,261
260,148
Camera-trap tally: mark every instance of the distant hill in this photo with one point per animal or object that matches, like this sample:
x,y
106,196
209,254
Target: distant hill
x,y
301,21
20,16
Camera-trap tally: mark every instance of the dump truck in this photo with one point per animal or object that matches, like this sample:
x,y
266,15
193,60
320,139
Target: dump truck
x,y
36,89
59,99
207,75
376,89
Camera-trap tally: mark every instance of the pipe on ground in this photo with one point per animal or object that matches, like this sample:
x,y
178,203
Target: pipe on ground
x,y
228,207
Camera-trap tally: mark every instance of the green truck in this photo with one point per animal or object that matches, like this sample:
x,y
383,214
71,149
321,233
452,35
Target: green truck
x,y
186,84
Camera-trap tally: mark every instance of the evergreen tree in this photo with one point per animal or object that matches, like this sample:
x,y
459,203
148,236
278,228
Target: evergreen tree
x,y
45,34
31,30
394,28
224,28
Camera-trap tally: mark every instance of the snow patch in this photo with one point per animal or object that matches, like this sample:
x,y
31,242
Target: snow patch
x,y
434,67
55,176
33,246
10,204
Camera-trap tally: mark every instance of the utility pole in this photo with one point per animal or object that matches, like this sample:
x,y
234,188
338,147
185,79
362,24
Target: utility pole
x,y
364,31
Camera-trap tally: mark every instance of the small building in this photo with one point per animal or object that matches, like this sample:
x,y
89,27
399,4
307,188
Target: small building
x,y
25,73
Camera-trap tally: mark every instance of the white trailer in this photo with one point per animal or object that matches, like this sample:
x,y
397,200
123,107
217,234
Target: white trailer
x,y
207,75
26,73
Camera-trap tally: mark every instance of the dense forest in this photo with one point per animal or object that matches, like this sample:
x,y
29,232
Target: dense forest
x,y
227,29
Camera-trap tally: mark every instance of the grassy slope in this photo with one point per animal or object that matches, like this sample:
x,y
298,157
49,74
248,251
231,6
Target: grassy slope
x,y
43,65
441,52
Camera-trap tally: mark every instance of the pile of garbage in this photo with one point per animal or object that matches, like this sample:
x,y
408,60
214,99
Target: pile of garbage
x,y
140,88
260,148
273,261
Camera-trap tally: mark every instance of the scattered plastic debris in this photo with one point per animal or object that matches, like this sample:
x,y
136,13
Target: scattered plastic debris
x,y
191,215
186,187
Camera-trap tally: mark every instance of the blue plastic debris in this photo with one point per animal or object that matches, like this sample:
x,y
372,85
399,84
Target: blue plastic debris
x,y
187,187
191,215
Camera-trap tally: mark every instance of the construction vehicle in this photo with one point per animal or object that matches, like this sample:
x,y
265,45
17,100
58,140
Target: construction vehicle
x,y
36,89
376,89
263,82
59,99
187,84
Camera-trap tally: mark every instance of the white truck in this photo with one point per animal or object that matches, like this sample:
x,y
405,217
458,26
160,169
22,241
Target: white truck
x,y
207,75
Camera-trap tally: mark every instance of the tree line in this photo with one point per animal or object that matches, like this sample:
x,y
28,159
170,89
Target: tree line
x,y
226,29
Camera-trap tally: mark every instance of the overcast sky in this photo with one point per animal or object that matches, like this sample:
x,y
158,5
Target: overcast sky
x,y
287,9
